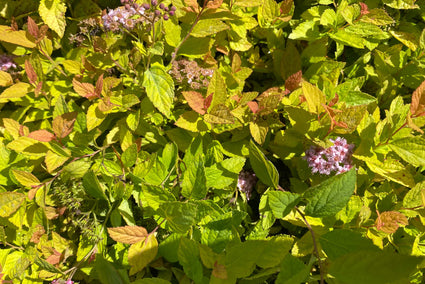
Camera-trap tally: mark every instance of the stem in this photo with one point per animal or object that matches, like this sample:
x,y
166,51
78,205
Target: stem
x,y
313,237
52,61
176,50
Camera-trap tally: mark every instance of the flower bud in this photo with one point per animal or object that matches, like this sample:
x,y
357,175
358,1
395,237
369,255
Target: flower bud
x,y
165,17
146,6
157,12
154,2
127,6
162,6
171,13
166,9
173,8
136,6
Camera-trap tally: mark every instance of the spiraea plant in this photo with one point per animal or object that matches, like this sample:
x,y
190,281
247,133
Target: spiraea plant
x,y
212,141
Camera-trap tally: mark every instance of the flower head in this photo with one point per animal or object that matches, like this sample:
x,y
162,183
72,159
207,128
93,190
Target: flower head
x,y
246,183
6,62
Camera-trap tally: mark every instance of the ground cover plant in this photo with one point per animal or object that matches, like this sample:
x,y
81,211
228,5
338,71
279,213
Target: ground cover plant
x,y
212,141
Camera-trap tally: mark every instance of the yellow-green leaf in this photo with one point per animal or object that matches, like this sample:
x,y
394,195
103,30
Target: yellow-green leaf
x,y
219,114
53,14
29,146
26,178
191,121
5,79
208,27
10,202
54,160
258,131
21,38
142,253
15,91
94,117
128,234
315,98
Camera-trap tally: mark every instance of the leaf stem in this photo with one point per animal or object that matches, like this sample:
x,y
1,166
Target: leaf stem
x,y
313,237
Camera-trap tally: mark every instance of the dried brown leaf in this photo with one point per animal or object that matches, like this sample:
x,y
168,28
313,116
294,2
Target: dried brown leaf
x,y
128,234
389,221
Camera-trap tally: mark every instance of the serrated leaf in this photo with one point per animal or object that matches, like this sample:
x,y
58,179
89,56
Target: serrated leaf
x,y
401,4
389,221
62,125
21,38
263,168
180,216
413,197
377,17
208,27
330,196
219,114
259,131
368,267
85,90
54,160
188,255
28,146
142,253
107,272
217,87
42,135
195,100
345,38
191,121
159,88
94,117
314,96
26,178
128,234
10,202
340,242
194,184
292,271
410,149
129,156
77,169
53,14
281,203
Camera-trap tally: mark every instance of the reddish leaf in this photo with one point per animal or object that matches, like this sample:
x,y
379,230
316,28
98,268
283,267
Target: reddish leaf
x,y
36,235
55,258
208,101
389,221
418,100
84,89
214,4
99,86
42,135
293,82
196,101
37,89
286,7
63,124
192,6
253,106
363,8
334,100
32,28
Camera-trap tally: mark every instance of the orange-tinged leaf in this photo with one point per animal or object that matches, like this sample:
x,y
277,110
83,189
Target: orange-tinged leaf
x,y
219,271
192,5
63,124
99,86
293,82
253,106
418,100
128,234
214,4
196,101
29,70
389,221
32,28
42,135
84,89
142,253
26,178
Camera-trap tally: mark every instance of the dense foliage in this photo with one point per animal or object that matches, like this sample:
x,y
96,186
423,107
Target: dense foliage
x,y
212,141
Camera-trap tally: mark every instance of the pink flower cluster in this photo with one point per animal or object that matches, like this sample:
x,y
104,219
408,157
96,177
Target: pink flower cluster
x,y
334,158
6,62
246,183
59,281
123,17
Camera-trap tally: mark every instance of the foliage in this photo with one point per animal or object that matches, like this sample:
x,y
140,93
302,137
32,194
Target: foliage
x,y
215,141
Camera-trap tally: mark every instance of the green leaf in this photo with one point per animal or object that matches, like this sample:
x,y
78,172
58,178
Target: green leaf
x,y
129,156
217,87
154,196
188,255
92,186
263,168
159,88
142,253
345,38
10,202
172,33
281,202
377,17
401,4
26,178
194,184
195,47
340,242
330,196
292,271
369,267
180,216
77,169
107,272
208,27
54,160
308,30
94,117
191,121
5,79
53,14
314,96
410,149
219,114
413,197
354,98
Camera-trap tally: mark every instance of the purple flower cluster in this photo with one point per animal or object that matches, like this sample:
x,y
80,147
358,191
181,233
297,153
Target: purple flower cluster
x,y
334,158
6,62
246,183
